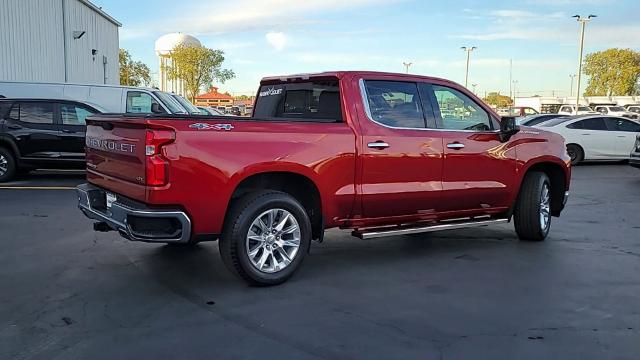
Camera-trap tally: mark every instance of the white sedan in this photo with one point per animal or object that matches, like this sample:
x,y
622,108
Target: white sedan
x,y
595,137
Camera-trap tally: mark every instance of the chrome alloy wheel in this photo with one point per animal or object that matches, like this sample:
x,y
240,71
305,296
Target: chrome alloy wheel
x,y
273,240
545,207
4,165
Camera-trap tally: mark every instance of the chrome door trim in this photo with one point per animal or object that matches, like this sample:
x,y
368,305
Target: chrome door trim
x,y
367,109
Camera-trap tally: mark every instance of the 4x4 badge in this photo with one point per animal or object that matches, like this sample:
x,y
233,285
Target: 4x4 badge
x,y
204,126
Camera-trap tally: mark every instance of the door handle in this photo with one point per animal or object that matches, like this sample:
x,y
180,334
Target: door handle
x,y
14,127
380,145
585,134
455,145
68,131
621,136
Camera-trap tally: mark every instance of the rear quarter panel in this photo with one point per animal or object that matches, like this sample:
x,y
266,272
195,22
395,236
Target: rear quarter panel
x,y
206,166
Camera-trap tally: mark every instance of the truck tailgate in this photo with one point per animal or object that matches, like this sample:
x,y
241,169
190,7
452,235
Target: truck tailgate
x,y
115,154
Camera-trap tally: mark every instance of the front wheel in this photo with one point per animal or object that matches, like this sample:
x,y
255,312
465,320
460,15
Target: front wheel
x,y
532,215
576,153
266,236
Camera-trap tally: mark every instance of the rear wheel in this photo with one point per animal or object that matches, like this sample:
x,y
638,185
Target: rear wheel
x,y
576,153
266,237
7,165
532,215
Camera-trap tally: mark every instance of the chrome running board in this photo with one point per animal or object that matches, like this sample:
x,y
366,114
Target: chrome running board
x,y
372,233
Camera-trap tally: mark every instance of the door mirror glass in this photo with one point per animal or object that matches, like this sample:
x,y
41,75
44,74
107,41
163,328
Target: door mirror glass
x,y
508,128
156,109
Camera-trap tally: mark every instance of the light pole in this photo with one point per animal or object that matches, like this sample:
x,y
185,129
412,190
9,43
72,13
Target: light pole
x,y
466,74
583,22
515,82
572,76
474,88
406,66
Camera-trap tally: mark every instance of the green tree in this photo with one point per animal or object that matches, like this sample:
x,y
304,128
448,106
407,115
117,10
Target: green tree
x,y
497,100
133,73
197,67
612,72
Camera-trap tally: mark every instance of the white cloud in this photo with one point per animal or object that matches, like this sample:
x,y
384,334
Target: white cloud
x,y
569,2
503,63
129,33
336,59
512,13
206,18
276,39
596,35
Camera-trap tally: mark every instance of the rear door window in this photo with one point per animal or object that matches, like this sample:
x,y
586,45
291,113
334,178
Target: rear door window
x,y
5,107
395,104
303,101
589,124
32,112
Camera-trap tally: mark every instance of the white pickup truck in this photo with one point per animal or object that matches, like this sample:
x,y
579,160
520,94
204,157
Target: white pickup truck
x,y
615,110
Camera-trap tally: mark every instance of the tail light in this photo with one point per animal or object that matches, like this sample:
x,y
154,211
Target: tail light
x,y
157,166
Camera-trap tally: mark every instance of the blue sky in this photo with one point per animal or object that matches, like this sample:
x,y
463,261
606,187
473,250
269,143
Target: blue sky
x,y
274,37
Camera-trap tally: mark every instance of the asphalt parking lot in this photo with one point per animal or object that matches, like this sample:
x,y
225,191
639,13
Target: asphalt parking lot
x,y
67,292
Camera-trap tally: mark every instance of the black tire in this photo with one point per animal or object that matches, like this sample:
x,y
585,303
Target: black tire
x,y
576,153
8,165
242,214
529,211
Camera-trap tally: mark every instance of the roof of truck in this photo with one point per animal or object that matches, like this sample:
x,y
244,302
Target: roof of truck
x,y
340,74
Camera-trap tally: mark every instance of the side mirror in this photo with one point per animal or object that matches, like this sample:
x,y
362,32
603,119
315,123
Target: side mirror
x,y
156,109
508,128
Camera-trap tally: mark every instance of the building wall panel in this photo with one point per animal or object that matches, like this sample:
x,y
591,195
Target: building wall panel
x,y
100,35
32,43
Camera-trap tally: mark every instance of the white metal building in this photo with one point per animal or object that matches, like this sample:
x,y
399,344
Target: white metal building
x,y
58,41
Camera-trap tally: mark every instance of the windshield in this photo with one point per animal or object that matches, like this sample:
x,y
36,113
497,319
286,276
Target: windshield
x,y
554,122
584,108
616,108
536,119
192,109
170,103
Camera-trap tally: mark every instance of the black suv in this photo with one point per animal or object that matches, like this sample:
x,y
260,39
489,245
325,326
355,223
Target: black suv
x,y
41,133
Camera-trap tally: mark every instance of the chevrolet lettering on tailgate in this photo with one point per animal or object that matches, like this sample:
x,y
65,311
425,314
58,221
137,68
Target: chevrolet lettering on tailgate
x,y
110,145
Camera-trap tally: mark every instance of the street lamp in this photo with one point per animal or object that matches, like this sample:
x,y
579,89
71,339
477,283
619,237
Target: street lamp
x,y
466,74
583,22
406,66
474,88
572,76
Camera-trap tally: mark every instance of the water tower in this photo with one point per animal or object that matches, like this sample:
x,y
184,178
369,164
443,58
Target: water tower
x,y
163,47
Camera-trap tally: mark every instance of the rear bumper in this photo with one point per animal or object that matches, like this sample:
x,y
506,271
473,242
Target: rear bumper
x,y
133,220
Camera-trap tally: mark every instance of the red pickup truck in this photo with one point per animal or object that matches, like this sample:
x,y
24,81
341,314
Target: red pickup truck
x,y
380,153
